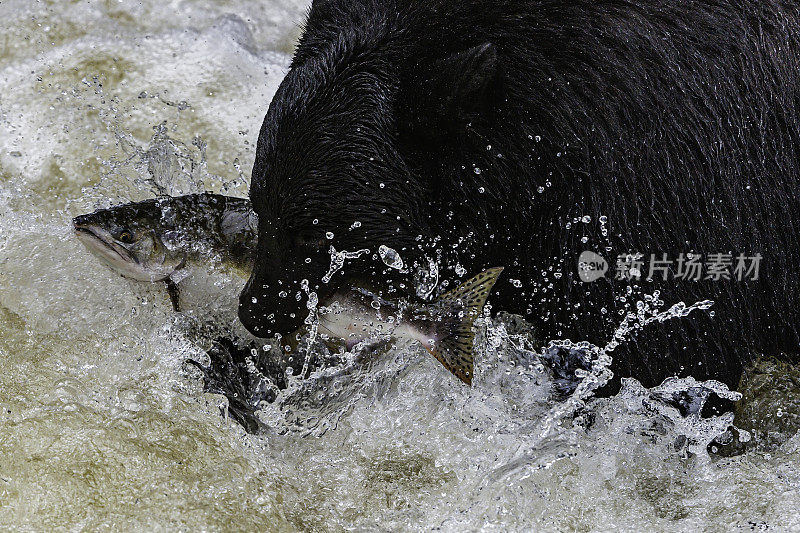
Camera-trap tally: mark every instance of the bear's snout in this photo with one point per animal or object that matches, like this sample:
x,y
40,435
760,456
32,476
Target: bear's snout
x,y
275,298
265,314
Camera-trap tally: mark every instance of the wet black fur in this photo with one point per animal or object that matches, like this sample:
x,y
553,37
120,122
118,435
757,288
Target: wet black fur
x,y
677,120
228,374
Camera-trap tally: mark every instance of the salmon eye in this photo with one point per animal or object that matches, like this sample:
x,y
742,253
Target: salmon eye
x,y
125,237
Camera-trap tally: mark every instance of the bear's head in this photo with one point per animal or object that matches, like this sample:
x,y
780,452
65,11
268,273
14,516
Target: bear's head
x,y
345,159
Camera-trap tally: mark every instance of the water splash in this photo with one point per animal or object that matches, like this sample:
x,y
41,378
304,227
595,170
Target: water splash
x,y
91,365
390,257
338,259
426,279
676,395
598,374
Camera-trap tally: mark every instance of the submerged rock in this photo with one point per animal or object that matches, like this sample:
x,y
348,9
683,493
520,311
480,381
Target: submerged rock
x,y
770,404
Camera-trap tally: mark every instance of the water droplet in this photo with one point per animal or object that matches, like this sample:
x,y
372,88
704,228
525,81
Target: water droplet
x,y
477,170
390,257
427,279
329,235
313,300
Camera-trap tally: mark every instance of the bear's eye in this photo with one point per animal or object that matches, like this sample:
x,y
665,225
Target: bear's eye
x,y
314,243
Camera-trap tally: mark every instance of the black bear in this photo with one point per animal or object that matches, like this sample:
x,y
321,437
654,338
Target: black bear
x,y
524,133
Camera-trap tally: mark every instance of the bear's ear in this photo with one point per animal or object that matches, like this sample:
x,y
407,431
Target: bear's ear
x,y
450,91
465,78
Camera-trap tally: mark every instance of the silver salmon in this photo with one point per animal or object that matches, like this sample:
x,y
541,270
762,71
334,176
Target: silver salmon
x,y
444,326
166,239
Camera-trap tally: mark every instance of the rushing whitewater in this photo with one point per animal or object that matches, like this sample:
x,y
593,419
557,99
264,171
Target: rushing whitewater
x,y
103,424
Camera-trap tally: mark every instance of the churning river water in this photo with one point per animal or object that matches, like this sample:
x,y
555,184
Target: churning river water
x,y
103,426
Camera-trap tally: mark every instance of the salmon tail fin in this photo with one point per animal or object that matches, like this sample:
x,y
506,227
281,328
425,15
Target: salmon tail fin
x,y
453,343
